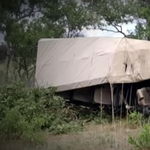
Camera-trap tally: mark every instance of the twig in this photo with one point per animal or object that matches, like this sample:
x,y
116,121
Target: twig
x,y
117,29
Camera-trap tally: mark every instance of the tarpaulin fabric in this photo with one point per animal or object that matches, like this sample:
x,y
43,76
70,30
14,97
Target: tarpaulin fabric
x,y
73,63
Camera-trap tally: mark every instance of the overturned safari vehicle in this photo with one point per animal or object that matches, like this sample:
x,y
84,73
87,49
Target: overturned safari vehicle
x,y
107,71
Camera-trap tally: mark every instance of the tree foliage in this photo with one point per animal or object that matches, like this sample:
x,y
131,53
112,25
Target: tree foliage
x,y
28,21
24,22
141,14
111,13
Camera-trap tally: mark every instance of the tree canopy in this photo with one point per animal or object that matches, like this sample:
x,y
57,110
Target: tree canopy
x,y
24,22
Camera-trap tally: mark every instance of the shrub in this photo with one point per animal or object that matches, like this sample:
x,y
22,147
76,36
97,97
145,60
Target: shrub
x,y
26,111
143,141
135,118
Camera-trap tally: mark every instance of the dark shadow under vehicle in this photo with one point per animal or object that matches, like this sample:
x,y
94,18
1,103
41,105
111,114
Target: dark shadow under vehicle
x,y
122,97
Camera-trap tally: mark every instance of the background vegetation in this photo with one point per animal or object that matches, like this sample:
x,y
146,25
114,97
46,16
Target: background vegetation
x,y
26,111
24,22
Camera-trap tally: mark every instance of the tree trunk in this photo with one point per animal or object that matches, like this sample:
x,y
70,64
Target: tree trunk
x,y
7,65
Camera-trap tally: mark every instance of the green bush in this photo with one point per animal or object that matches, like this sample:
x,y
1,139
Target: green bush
x,y
143,141
25,112
136,118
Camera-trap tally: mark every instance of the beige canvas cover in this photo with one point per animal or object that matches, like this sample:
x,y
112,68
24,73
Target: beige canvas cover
x,y
81,62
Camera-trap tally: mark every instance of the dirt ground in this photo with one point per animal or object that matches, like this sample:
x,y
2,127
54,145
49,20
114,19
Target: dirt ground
x,y
94,137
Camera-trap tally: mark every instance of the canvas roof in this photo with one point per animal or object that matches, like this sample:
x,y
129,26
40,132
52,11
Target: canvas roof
x,y
81,62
